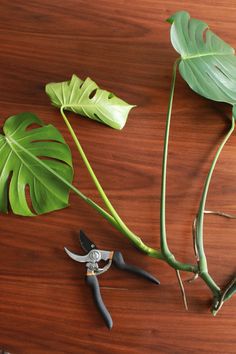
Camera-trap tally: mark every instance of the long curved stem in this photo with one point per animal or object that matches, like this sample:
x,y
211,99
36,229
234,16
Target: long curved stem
x,y
169,257
202,264
121,225
87,164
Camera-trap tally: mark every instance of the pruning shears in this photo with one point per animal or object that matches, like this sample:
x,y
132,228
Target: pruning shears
x,y
92,258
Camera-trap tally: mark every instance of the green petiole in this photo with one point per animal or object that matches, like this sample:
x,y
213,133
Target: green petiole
x,y
169,257
120,225
202,264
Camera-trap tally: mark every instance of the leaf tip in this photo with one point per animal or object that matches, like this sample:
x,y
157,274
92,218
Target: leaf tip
x,y
170,19
121,125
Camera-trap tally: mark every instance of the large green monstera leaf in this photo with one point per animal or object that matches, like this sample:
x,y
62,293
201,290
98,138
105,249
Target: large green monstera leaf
x,y
33,158
87,99
208,64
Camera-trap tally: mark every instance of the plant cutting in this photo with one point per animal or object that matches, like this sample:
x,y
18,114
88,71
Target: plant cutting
x,y
208,65
40,159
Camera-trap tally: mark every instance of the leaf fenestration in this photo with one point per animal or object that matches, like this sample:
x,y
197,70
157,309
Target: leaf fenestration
x,y
207,64
88,100
28,158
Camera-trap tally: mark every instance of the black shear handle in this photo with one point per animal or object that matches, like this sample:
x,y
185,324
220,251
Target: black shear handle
x,y
92,281
118,260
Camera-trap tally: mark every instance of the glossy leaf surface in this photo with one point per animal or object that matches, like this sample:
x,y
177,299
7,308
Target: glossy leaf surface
x,y
87,99
207,64
32,158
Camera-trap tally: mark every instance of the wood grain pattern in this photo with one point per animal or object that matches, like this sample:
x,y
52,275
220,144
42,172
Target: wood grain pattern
x,y
124,46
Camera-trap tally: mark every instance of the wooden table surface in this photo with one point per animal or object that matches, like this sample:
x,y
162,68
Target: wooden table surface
x,y
124,46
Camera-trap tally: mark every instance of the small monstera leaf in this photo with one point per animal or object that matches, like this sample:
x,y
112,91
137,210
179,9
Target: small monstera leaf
x,y
207,64
87,99
33,158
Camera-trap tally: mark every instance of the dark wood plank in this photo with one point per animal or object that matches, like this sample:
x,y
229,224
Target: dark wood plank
x,y
123,45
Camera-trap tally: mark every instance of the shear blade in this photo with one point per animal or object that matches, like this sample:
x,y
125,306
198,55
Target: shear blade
x,y
76,257
86,243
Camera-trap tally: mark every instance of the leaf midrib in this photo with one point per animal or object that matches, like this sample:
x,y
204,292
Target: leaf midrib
x,y
205,55
9,141
64,106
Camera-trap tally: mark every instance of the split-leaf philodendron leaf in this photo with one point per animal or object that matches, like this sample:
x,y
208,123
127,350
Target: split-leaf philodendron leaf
x,y
207,64
87,99
33,157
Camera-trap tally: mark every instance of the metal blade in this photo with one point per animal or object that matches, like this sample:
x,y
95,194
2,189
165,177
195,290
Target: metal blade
x,y
86,243
76,257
